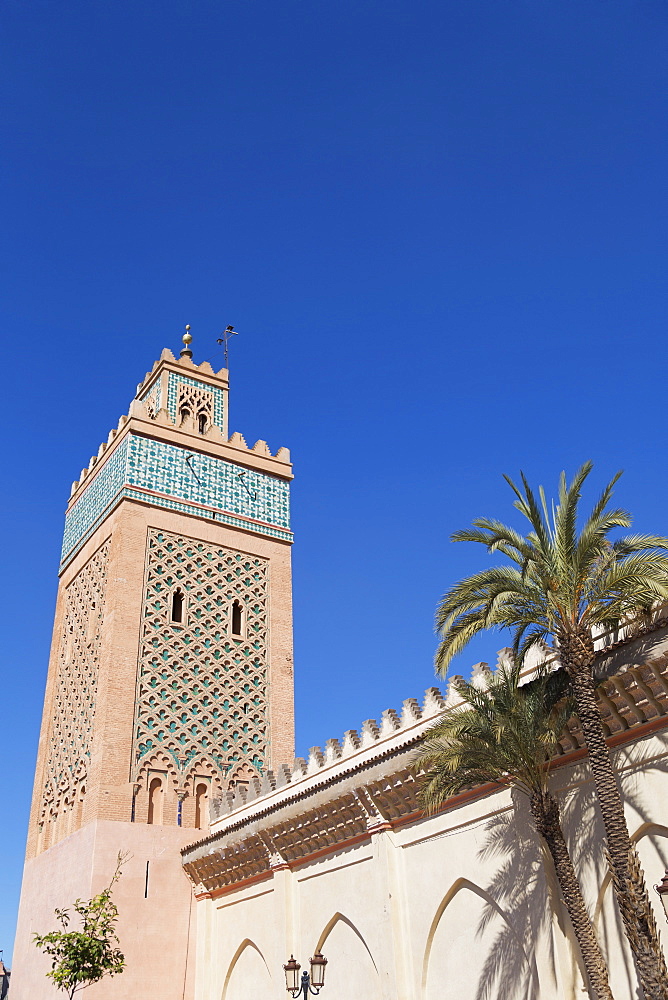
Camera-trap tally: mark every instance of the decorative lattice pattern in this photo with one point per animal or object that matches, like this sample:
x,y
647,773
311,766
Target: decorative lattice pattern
x,y
76,684
201,690
152,400
180,389
222,490
175,471
195,399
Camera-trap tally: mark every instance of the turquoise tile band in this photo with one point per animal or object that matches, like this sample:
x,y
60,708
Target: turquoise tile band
x,y
175,478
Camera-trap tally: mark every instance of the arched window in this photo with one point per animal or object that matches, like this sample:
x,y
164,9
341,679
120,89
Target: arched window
x,y
237,618
184,413
241,777
201,422
155,797
177,605
201,804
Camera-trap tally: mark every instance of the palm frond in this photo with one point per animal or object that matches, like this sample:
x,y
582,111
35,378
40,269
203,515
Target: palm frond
x,y
504,733
556,580
639,543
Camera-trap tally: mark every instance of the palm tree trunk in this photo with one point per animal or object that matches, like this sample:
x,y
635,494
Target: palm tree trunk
x,y
576,652
545,811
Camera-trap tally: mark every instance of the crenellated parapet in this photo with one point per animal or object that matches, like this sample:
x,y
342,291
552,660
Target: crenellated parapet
x,y
235,441
395,731
639,693
364,783
177,393
173,450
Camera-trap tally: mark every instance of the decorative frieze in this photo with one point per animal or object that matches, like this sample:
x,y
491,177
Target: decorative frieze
x,y
365,784
175,478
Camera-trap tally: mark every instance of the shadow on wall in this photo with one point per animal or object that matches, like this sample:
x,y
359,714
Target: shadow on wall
x,y
484,941
488,942
481,940
652,843
583,827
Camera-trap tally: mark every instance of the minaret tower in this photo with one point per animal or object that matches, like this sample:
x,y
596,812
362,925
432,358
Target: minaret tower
x,y
170,678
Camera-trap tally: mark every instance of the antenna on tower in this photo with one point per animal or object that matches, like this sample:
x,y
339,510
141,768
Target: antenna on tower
x,y
228,332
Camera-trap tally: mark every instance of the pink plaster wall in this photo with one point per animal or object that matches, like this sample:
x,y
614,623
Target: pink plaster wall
x,y
156,933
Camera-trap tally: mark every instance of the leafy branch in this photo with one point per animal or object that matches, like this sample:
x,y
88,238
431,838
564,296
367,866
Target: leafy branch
x,y
79,958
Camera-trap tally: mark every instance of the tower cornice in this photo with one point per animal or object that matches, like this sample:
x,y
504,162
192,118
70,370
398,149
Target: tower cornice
x,y
172,450
167,362
234,449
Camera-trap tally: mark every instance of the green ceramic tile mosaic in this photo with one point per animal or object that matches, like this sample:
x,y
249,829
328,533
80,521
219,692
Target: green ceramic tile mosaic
x,y
175,478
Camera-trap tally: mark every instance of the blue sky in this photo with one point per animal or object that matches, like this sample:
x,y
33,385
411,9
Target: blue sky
x,y
441,230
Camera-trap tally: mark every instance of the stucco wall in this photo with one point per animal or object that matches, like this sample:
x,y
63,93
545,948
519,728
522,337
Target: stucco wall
x,y
457,905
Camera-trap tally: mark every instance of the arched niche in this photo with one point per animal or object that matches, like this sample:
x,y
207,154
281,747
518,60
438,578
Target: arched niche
x,y
248,974
473,947
651,840
349,960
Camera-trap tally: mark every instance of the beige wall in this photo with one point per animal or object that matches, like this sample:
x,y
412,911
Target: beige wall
x,y
454,906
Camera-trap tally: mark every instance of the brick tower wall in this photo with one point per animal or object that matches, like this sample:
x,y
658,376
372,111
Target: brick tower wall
x,y
170,678
95,687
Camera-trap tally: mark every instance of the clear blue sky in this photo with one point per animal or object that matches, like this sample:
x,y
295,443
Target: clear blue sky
x,y
441,229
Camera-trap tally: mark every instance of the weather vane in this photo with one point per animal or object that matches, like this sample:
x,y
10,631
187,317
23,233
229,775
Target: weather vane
x,y
228,332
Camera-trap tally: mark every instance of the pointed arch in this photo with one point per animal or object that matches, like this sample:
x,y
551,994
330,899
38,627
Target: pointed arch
x,y
199,767
329,927
156,800
348,954
177,615
241,776
457,886
157,760
245,944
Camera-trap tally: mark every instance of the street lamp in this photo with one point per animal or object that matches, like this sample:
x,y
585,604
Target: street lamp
x,y
312,983
662,889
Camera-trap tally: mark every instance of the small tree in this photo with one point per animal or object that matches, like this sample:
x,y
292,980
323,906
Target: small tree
x,y
79,958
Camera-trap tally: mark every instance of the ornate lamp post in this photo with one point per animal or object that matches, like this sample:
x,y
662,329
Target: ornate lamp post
x,y
662,890
312,983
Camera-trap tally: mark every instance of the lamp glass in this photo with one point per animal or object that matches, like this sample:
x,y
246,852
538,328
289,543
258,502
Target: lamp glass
x,y
318,964
292,974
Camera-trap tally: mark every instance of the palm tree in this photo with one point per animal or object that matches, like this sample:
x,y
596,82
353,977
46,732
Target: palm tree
x,y
507,734
566,586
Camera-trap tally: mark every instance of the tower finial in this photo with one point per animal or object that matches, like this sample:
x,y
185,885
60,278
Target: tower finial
x,y
187,340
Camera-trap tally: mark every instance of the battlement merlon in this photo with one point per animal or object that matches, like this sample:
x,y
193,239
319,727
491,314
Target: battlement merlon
x,y
172,451
157,406
177,384
234,449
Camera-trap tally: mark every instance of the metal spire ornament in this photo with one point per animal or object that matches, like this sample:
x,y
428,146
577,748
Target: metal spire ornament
x,y
187,340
